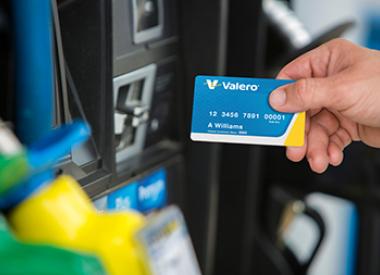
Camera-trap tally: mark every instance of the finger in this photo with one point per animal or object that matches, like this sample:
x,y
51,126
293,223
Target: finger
x,y
328,121
306,94
311,64
318,141
349,127
322,61
296,154
338,141
335,151
344,137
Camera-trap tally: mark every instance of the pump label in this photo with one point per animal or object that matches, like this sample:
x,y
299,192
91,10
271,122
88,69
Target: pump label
x,y
167,246
145,195
237,110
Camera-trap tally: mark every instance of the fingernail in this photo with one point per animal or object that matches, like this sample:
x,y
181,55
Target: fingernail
x,y
277,98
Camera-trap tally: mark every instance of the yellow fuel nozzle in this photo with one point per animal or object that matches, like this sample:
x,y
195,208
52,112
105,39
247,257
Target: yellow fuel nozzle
x,y
63,215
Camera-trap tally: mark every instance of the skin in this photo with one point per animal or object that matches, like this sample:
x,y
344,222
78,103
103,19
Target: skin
x,y
338,85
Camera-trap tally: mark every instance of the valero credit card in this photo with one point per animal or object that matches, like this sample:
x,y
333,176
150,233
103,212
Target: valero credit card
x,y
237,110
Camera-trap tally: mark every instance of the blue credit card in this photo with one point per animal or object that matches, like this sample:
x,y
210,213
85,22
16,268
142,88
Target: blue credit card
x,y
237,110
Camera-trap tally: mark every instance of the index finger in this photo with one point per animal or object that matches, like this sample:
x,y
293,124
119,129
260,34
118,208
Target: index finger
x,y
323,61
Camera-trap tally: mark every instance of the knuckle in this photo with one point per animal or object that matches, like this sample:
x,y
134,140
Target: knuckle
x,y
340,43
337,90
301,92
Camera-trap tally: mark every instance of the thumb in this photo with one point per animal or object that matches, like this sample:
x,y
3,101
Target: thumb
x,y
303,95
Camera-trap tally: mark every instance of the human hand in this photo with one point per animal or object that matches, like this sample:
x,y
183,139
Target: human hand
x,y
338,85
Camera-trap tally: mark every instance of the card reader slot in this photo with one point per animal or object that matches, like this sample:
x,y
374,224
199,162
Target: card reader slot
x,y
132,102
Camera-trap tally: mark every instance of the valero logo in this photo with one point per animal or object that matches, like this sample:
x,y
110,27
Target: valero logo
x,y
231,86
212,84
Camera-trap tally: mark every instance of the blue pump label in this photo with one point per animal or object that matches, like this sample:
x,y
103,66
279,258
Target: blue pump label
x,y
152,191
124,198
145,195
237,110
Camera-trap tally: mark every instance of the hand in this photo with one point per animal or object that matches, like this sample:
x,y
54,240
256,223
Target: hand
x,y
338,85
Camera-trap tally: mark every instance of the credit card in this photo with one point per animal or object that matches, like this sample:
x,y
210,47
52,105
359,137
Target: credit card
x,y
237,110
